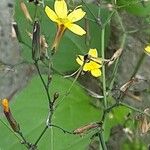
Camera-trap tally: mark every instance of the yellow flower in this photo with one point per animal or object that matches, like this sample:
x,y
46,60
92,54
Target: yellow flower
x,y
62,18
65,20
147,49
90,62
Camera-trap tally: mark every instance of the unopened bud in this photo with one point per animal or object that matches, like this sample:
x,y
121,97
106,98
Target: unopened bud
x,y
25,11
13,123
36,41
86,128
56,95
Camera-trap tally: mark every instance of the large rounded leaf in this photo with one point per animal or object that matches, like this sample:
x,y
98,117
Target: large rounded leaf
x,y
30,108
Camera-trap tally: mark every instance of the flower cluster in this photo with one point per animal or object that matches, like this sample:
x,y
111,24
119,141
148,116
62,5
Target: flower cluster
x,y
66,20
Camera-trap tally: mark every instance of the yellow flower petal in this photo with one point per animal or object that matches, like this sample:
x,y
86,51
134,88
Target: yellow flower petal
x,y
86,67
147,49
91,66
76,29
60,7
96,72
76,15
93,52
51,14
80,60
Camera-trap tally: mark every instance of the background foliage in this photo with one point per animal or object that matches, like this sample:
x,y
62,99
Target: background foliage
x,y
30,106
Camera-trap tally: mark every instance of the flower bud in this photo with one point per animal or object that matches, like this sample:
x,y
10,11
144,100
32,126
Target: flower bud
x,y
25,11
13,123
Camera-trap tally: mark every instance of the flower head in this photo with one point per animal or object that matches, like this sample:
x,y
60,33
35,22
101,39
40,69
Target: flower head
x,y
90,62
147,49
63,18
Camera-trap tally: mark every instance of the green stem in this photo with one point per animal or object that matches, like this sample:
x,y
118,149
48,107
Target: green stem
x,y
101,138
52,138
41,136
121,22
68,91
127,106
44,84
9,129
139,63
95,18
109,18
117,63
134,109
103,66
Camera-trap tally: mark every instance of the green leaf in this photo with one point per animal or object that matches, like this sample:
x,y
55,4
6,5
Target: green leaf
x,y
135,7
30,109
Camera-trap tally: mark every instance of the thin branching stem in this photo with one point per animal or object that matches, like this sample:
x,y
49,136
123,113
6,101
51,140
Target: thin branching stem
x,y
102,141
44,83
119,103
95,18
138,65
9,129
44,130
103,67
134,109
58,127
68,91
115,69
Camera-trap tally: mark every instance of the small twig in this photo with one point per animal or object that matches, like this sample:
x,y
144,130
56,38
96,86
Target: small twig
x,y
138,65
127,106
68,91
95,18
134,109
65,131
120,21
24,141
44,84
109,18
44,130
115,69
102,141
103,67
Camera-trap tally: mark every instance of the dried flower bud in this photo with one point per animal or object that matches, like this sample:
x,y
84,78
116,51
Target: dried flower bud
x,y
36,41
8,114
127,84
134,97
16,32
43,47
144,123
115,56
25,11
110,7
86,128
